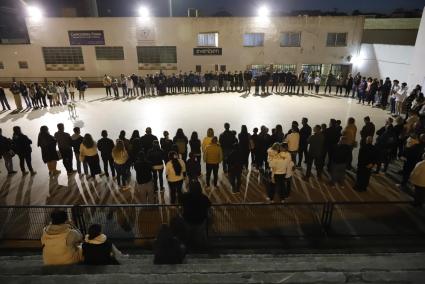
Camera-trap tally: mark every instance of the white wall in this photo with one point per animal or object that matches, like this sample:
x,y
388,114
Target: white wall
x,y
182,32
417,69
381,60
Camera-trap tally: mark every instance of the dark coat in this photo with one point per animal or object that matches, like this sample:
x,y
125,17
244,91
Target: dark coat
x,y
21,144
47,143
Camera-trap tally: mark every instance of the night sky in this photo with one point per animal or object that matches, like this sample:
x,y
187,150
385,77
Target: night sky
x,y
234,7
248,7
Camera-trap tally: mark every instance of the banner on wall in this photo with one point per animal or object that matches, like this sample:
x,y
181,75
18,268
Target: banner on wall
x,y
145,36
86,38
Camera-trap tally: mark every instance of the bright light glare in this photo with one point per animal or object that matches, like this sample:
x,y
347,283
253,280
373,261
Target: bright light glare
x,y
34,12
356,60
143,12
263,12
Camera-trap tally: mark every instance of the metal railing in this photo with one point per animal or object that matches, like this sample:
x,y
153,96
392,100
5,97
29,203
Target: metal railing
x,y
300,219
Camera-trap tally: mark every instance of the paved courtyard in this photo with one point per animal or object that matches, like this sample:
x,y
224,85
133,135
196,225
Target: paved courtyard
x,y
190,112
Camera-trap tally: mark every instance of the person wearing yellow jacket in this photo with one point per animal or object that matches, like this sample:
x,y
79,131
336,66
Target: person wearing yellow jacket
x,y
213,155
61,241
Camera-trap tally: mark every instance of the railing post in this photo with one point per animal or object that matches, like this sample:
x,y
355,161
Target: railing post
x,y
78,218
326,219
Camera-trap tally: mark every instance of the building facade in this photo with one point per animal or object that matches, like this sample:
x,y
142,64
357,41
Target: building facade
x,y
91,47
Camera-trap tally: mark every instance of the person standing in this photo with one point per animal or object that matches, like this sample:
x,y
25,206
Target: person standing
x,y
181,141
145,187
47,143
412,154
348,84
156,157
385,142
195,146
235,165
88,154
107,83
226,140
135,80
77,139
175,170
14,89
22,147
166,145
339,160
329,82
120,156
147,140
115,88
244,145
350,132
400,96
301,81
417,178
394,90
385,92
315,152
193,167
213,156
332,137
71,90
317,81
207,140
7,153
24,92
65,147
367,130
293,141
3,99
366,161
81,87
105,146
305,133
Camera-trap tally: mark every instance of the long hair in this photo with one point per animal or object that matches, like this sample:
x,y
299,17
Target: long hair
x,y
135,134
173,156
244,130
88,141
194,136
180,133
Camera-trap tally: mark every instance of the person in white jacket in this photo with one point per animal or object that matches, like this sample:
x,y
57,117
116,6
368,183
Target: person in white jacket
x,y
417,178
400,96
394,91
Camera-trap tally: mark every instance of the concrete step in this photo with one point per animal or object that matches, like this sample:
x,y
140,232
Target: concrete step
x,y
228,268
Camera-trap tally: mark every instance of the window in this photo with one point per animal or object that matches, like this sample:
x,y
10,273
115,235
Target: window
x,y
285,67
23,64
208,39
336,39
1,65
156,54
253,39
290,39
308,68
198,68
109,52
63,55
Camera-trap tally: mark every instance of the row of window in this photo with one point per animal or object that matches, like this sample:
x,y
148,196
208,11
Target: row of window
x,y
287,39
21,65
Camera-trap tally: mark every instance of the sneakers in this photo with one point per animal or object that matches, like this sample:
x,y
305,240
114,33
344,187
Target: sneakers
x,y
33,173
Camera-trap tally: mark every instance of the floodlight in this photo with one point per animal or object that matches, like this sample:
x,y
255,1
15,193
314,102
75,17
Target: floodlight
x,y
34,12
143,12
263,11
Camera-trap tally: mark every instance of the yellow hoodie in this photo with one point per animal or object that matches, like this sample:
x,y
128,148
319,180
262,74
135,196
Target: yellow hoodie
x,y
213,154
61,245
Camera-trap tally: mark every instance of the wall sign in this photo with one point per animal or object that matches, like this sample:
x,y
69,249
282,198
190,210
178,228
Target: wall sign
x,y
86,38
207,51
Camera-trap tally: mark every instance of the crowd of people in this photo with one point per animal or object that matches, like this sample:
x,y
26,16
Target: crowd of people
x,y
371,91
275,155
64,244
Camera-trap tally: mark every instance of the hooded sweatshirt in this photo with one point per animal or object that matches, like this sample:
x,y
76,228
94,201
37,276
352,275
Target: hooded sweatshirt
x,y
61,245
99,250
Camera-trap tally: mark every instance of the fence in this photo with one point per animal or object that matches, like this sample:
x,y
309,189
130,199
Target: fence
x,y
227,220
